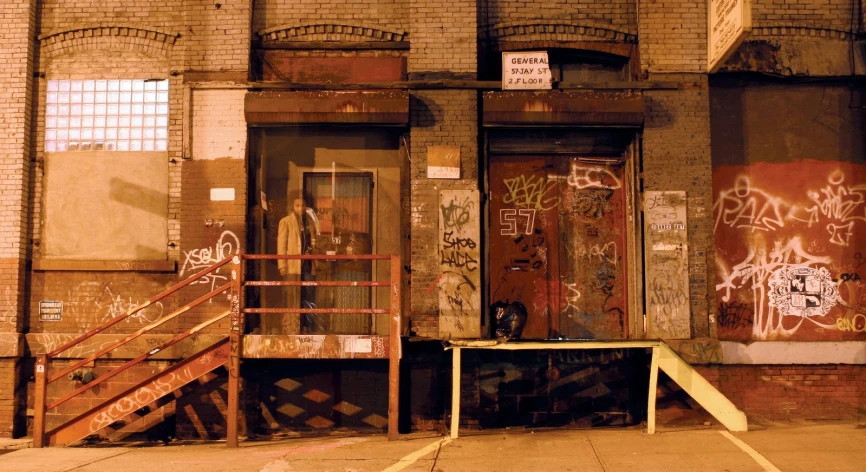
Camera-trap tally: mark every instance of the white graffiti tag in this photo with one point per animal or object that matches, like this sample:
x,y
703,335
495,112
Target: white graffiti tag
x,y
747,207
754,273
198,259
583,177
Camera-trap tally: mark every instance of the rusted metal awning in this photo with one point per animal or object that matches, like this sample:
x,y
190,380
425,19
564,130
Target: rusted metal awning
x,y
379,108
563,108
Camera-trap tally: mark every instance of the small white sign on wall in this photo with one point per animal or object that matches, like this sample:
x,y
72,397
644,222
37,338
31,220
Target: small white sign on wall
x,y
443,162
222,194
526,71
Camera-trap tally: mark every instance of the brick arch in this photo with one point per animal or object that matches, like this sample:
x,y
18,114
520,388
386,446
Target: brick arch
x,y
330,32
788,30
557,31
144,39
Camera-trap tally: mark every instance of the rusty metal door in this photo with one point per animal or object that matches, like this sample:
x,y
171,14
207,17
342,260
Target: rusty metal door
x,y
557,244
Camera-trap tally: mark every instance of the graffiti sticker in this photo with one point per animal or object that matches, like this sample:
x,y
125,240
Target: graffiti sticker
x,y
803,291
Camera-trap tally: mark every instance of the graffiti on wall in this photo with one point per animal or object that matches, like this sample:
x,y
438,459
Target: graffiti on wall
x,y
202,258
787,250
557,243
95,303
459,277
667,265
7,311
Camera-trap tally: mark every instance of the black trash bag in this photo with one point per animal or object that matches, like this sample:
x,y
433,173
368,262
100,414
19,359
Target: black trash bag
x,y
508,319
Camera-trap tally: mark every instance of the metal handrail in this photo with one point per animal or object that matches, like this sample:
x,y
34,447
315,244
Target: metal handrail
x,y
141,331
236,312
44,360
141,358
138,308
321,257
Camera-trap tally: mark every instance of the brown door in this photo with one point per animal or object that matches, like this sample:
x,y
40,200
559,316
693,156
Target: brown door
x,y
557,244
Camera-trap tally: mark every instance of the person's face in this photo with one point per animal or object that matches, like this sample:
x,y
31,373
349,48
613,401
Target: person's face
x,y
298,207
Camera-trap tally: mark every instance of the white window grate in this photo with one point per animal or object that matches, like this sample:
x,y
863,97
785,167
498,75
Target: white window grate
x,y
109,115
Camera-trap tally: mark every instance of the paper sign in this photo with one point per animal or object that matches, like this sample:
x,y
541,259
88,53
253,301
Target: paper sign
x,y
526,71
362,346
222,194
443,162
50,310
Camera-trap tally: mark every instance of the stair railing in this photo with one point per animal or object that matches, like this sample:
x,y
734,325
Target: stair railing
x,y
394,311
43,361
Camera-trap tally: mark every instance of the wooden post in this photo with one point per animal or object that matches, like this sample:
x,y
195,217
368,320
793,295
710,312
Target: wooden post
x,y
237,326
395,351
653,385
455,393
39,404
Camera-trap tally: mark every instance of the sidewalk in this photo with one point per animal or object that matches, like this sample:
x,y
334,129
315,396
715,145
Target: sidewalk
x,y
797,447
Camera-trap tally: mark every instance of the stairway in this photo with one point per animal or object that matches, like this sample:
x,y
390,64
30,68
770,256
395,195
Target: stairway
x,y
146,394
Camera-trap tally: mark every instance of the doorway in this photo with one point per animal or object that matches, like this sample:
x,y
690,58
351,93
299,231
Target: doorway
x,y
557,243
349,179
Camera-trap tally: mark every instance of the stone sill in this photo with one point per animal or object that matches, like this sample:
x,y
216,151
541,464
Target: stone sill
x,y
104,266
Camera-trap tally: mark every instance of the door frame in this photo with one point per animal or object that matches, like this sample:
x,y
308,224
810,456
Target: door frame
x,y
296,183
634,257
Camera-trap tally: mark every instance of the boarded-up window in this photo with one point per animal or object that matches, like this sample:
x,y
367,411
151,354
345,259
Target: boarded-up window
x,y
106,170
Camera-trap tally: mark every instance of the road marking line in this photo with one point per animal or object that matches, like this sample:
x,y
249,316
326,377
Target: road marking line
x,y
761,460
412,458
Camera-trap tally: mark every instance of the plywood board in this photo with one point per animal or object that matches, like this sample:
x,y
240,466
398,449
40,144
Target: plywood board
x,y
105,205
459,278
667,265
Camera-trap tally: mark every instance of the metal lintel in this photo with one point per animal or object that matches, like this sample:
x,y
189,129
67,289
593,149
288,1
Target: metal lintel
x,y
572,108
382,107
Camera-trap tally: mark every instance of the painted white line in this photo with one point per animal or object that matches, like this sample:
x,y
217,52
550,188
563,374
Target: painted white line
x,y
761,460
412,458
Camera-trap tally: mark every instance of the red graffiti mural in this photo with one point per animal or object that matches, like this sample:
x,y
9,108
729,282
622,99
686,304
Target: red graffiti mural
x,y
790,251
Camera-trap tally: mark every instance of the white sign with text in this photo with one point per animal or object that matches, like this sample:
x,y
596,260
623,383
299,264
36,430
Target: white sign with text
x,y
729,23
526,71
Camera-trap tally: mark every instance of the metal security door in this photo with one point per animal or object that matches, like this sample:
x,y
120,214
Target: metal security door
x,y
592,249
557,244
523,221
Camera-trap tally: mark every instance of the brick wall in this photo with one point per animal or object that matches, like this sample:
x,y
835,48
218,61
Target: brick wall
x,y
676,156
673,36
95,395
16,78
621,14
830,14
389,15
776,392
443,38
218,125
443,117
218,34
210,231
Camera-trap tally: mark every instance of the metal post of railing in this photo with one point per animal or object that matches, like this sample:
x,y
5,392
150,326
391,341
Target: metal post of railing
x,y
394,355
236,328
39,403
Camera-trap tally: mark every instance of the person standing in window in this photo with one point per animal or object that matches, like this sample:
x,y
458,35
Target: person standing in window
x,y
294,238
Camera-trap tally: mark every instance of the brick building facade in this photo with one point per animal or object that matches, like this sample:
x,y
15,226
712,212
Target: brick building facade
x,y
140,144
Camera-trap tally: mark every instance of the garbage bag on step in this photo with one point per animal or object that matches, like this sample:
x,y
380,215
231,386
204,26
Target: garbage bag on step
x,y
508,319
